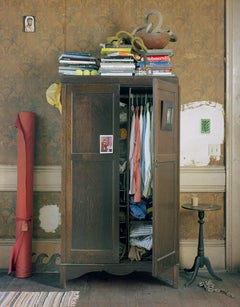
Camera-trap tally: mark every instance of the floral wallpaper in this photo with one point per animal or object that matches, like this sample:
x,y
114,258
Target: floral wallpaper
x,y
8,220
214,220
29,60
28,65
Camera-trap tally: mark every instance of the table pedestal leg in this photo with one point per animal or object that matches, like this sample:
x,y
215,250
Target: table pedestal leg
x,y
200,260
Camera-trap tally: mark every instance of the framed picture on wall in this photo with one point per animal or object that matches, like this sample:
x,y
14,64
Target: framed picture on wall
x,y
29,24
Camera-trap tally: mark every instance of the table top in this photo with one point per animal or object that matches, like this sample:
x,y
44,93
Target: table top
x,y
201,207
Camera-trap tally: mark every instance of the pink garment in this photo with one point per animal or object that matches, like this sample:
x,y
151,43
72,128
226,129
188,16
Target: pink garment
x,y
136,158
131,151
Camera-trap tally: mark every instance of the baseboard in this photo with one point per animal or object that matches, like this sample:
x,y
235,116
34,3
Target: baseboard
x,y
213,249
47,253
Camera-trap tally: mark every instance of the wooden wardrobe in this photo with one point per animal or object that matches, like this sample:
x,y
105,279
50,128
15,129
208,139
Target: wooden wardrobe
x,y
96,213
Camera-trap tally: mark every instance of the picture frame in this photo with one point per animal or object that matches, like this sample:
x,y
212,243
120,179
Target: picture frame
x,y
29,24
106,144
167,115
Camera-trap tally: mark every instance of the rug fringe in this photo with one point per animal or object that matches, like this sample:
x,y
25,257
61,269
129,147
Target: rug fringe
x,y
75,298
39,299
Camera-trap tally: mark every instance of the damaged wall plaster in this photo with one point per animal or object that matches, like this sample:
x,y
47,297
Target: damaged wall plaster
x,y
196,141
50,218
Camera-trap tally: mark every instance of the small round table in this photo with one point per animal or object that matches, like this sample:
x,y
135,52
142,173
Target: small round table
x,y
200,259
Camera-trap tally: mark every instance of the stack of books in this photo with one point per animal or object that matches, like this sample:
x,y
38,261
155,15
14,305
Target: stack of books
x,y
156,62
110,48
116,61
77,63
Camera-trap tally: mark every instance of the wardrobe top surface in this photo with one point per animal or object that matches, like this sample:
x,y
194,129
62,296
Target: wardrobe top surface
x,y
146,80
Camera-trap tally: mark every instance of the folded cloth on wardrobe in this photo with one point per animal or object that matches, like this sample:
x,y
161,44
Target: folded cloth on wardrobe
x,y
140,229
138,209
143,241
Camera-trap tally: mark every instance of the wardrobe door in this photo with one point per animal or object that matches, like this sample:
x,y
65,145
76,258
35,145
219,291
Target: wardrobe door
x,y
166,181
91,180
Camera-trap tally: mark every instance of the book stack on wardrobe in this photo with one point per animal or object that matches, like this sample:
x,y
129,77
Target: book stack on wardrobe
x,y
116,61
77,63
155,62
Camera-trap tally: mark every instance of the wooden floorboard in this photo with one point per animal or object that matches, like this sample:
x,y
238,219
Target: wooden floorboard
x,y
137,289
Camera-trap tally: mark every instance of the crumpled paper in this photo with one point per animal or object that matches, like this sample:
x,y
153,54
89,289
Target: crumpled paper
x,y
53,94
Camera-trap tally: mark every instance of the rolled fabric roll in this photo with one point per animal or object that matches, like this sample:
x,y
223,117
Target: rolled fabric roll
x,y
21,254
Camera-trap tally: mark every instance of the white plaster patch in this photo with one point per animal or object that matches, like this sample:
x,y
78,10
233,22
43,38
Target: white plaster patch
x,y
194,145
50,218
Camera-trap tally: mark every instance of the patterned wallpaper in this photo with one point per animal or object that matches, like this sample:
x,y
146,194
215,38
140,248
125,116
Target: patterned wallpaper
x,y
28,61
7,215
29,65
214,220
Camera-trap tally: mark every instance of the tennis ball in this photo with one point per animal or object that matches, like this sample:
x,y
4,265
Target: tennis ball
x,y
94,72
79,72
86,72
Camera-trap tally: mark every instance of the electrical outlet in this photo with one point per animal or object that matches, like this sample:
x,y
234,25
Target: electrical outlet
x,y
214,150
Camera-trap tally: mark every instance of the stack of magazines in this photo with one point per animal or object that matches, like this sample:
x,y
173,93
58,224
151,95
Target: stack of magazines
x,y
116,61
77,63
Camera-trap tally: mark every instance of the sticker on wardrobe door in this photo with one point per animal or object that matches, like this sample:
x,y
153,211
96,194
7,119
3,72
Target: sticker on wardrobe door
x,y
106,144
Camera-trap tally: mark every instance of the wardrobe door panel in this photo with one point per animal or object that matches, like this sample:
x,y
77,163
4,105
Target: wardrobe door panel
x,y
166,181
92,174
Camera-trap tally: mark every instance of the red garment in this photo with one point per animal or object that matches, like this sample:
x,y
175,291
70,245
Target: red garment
x,y
136,158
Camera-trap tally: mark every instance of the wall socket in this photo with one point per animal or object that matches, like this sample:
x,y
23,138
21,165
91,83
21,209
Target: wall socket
x,y
214,149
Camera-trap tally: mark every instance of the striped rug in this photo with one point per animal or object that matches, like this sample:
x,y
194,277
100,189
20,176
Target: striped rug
x,y
38,299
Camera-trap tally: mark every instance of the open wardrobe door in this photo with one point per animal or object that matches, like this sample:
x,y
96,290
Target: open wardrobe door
x,y
166,182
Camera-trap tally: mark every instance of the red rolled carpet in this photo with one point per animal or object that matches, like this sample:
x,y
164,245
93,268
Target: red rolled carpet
x,y
21,255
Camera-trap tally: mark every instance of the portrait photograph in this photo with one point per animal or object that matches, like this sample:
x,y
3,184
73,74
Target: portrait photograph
x,y
29,24
106,144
